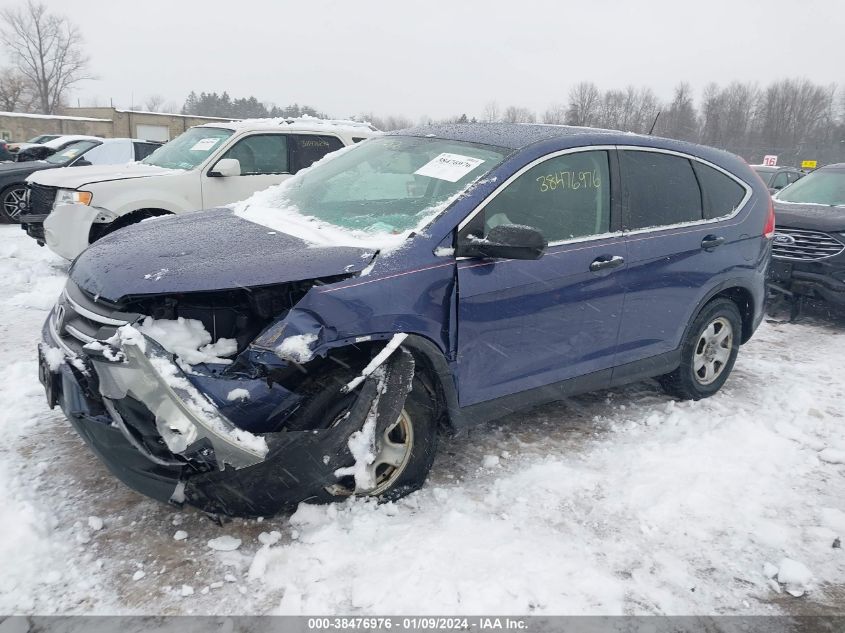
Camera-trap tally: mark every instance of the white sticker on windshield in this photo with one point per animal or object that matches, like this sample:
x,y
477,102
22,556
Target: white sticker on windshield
x,y
204,144
451,167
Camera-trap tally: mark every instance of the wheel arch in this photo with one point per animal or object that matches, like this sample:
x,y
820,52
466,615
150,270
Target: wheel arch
x,y
741,295
133,217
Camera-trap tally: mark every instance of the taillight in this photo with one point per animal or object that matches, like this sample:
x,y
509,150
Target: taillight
x,y
769,230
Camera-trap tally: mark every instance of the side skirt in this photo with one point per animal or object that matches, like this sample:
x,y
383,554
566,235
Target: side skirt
x,y
624,374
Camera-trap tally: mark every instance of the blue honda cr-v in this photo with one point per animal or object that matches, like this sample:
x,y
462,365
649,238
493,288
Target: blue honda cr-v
x,y
308,343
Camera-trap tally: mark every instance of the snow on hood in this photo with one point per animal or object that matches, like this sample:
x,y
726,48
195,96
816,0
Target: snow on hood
x,y
205,251
80,176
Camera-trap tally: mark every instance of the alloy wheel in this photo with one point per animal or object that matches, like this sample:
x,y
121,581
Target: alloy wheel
x,y
712,351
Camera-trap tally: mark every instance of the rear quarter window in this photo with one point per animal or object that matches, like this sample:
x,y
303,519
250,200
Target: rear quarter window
x,y
722,194
308,149
661,189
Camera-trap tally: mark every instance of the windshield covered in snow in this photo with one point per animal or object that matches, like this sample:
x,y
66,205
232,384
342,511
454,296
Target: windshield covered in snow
x,y
821,187
388,184
189,149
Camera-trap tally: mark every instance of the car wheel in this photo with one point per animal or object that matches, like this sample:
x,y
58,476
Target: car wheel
x,y
404,452
12,203
708,352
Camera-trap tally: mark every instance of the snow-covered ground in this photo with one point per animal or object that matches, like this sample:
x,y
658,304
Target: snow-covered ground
x,y
621,501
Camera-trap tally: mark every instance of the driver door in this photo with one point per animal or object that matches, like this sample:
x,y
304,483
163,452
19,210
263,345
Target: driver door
x,y
264,161
527,324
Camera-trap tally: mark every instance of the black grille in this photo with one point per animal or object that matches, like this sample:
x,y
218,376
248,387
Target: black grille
x,y
41,199
804,245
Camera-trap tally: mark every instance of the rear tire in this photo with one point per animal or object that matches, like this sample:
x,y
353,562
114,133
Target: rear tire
x,y
708,352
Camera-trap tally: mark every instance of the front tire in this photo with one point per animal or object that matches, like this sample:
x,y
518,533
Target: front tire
x,y
708,352
12,203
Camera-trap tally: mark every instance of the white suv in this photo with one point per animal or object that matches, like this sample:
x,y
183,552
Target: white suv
x,y
207,166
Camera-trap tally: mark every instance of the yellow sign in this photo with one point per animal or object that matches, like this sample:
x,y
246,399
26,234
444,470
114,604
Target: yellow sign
x,y
808,164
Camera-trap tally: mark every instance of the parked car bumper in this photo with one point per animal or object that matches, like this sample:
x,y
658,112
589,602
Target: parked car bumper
x,y
824,279
68,228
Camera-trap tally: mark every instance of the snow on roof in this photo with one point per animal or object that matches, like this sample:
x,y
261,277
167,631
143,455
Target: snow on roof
x,y
64,138
52,116
305,123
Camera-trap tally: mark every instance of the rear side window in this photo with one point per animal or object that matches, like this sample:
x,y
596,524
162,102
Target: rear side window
x,y
721,193
661,189
308,149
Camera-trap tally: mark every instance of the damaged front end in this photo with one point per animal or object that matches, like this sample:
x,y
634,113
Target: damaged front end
x,y
279,425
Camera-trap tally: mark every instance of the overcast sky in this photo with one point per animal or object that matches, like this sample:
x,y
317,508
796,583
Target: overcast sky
x,y
442,58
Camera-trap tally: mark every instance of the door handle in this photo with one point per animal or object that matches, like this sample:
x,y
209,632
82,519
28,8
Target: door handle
x,y
712,241
606,262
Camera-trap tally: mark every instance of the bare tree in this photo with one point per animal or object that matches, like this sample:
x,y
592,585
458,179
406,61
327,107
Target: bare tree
x,y
555,114
583,104
15,93
491,112
681,119
154,103
517,114
46,49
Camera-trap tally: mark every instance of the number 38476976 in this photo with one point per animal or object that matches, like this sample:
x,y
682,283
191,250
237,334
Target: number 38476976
x,y
569,180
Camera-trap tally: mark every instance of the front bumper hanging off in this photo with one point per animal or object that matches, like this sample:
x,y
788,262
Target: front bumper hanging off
x,y
206,460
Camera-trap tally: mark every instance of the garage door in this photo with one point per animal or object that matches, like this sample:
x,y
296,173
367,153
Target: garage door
x,y
152,133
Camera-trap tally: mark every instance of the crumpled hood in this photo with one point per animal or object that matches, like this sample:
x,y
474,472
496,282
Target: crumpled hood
x,y
204,251
81,176
812,217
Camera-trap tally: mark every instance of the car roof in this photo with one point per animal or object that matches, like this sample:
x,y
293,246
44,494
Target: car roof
x,y
304,124
834,166
518,136
66,138
774,167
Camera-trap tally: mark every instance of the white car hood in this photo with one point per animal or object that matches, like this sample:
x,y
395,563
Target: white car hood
x,y
75,177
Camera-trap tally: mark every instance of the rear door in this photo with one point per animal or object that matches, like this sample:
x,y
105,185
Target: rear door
x,y
526,324
679,244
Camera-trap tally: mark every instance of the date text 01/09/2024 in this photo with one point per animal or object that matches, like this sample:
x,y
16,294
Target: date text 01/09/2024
x,y
430,623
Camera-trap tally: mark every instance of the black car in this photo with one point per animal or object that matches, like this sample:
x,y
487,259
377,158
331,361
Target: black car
x,y
776,178
809,244
113,151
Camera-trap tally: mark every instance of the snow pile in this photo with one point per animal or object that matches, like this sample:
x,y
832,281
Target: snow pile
x,y
237,394
297,348
189,340
224,543
795,576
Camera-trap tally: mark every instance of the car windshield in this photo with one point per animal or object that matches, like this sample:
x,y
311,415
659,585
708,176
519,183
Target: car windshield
x,y
386,185
189,149
820,187
765,174
71,152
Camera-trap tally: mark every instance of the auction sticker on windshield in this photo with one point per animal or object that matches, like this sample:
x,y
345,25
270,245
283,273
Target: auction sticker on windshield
x,y
451,167
204,144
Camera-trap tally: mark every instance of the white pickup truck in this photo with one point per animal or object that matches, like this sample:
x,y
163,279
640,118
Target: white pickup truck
x,y
207,166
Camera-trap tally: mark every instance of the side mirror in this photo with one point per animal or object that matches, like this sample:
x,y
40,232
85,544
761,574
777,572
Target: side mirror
x,y
226,167
508,241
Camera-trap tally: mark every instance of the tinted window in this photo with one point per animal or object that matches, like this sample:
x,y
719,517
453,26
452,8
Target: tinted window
x,y
142,150
261,154
661,189
564,197
722,194
309,149
793,176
